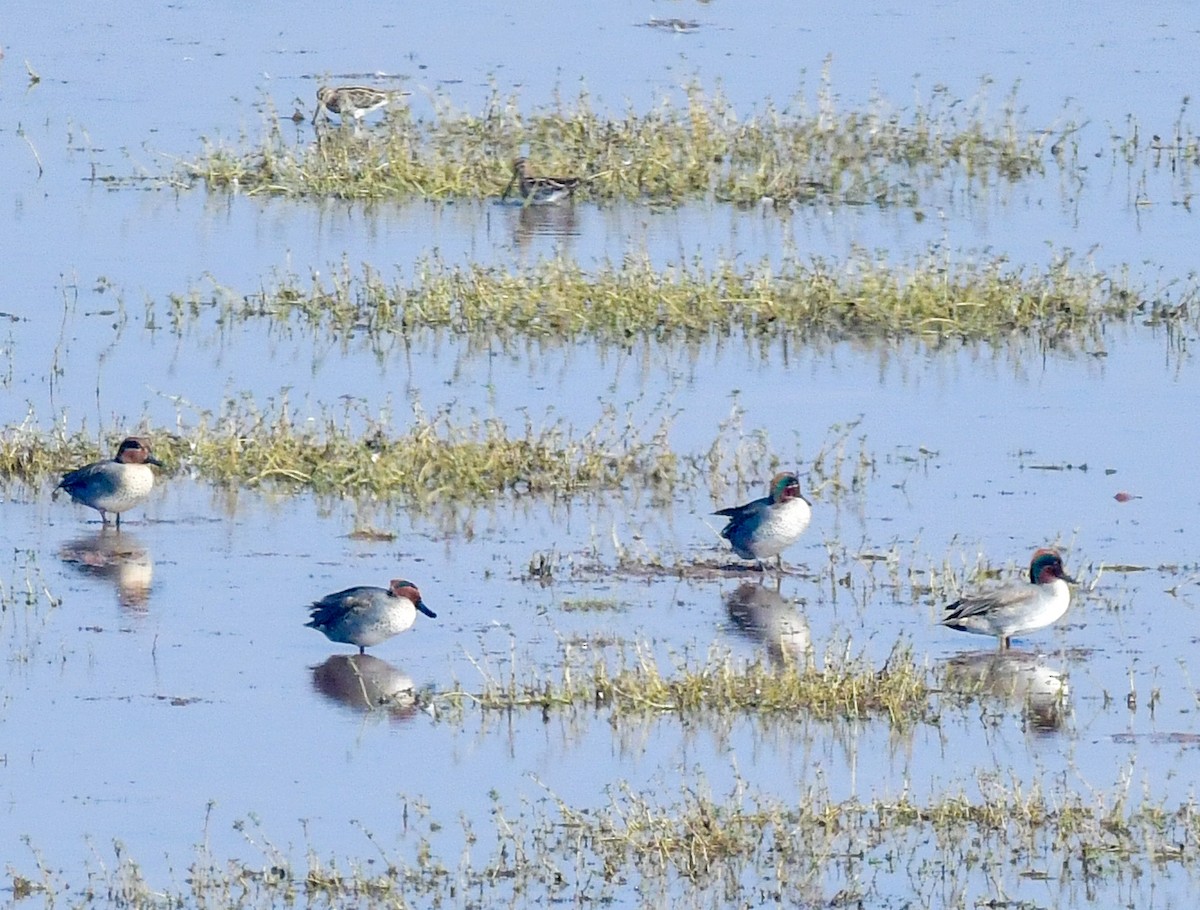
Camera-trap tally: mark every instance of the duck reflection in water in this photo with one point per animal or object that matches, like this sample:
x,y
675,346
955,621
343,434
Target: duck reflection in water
x,y
764,615
118,557
1016,677
364,682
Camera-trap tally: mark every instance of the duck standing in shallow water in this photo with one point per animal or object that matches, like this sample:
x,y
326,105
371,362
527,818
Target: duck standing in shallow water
x,y
365,616
115,485
539,190
1012,609
768,526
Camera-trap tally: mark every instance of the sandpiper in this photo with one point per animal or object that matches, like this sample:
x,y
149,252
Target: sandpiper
x,y
539,190
351,101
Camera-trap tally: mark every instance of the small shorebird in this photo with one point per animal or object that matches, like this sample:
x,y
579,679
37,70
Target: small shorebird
x,y
1011,609
539,190
365,616
351,101
768,526
115,485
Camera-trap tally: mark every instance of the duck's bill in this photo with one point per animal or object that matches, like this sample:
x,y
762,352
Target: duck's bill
x,y
424,609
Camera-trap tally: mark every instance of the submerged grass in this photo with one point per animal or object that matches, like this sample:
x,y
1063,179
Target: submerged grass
x,y
934,298
701,147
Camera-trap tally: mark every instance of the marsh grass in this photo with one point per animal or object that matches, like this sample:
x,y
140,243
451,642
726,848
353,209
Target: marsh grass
x,y
933,298
681,843
431,459
27,606
699,146
591,605
634,684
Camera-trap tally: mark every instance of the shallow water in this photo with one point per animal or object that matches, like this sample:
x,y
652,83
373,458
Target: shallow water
x,y
155,674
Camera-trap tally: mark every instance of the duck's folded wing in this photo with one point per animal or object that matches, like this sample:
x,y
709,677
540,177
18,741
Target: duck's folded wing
x,y
329,609
93,477
990,603
740,515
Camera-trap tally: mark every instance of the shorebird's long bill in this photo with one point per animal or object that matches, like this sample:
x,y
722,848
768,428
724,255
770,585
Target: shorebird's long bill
x,y
424,609
509,186
317,112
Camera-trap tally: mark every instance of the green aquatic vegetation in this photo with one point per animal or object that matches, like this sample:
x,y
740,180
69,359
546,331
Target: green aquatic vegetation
x,y
699,146
429,459
933,298
680,843
28,455
842,686
590,605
